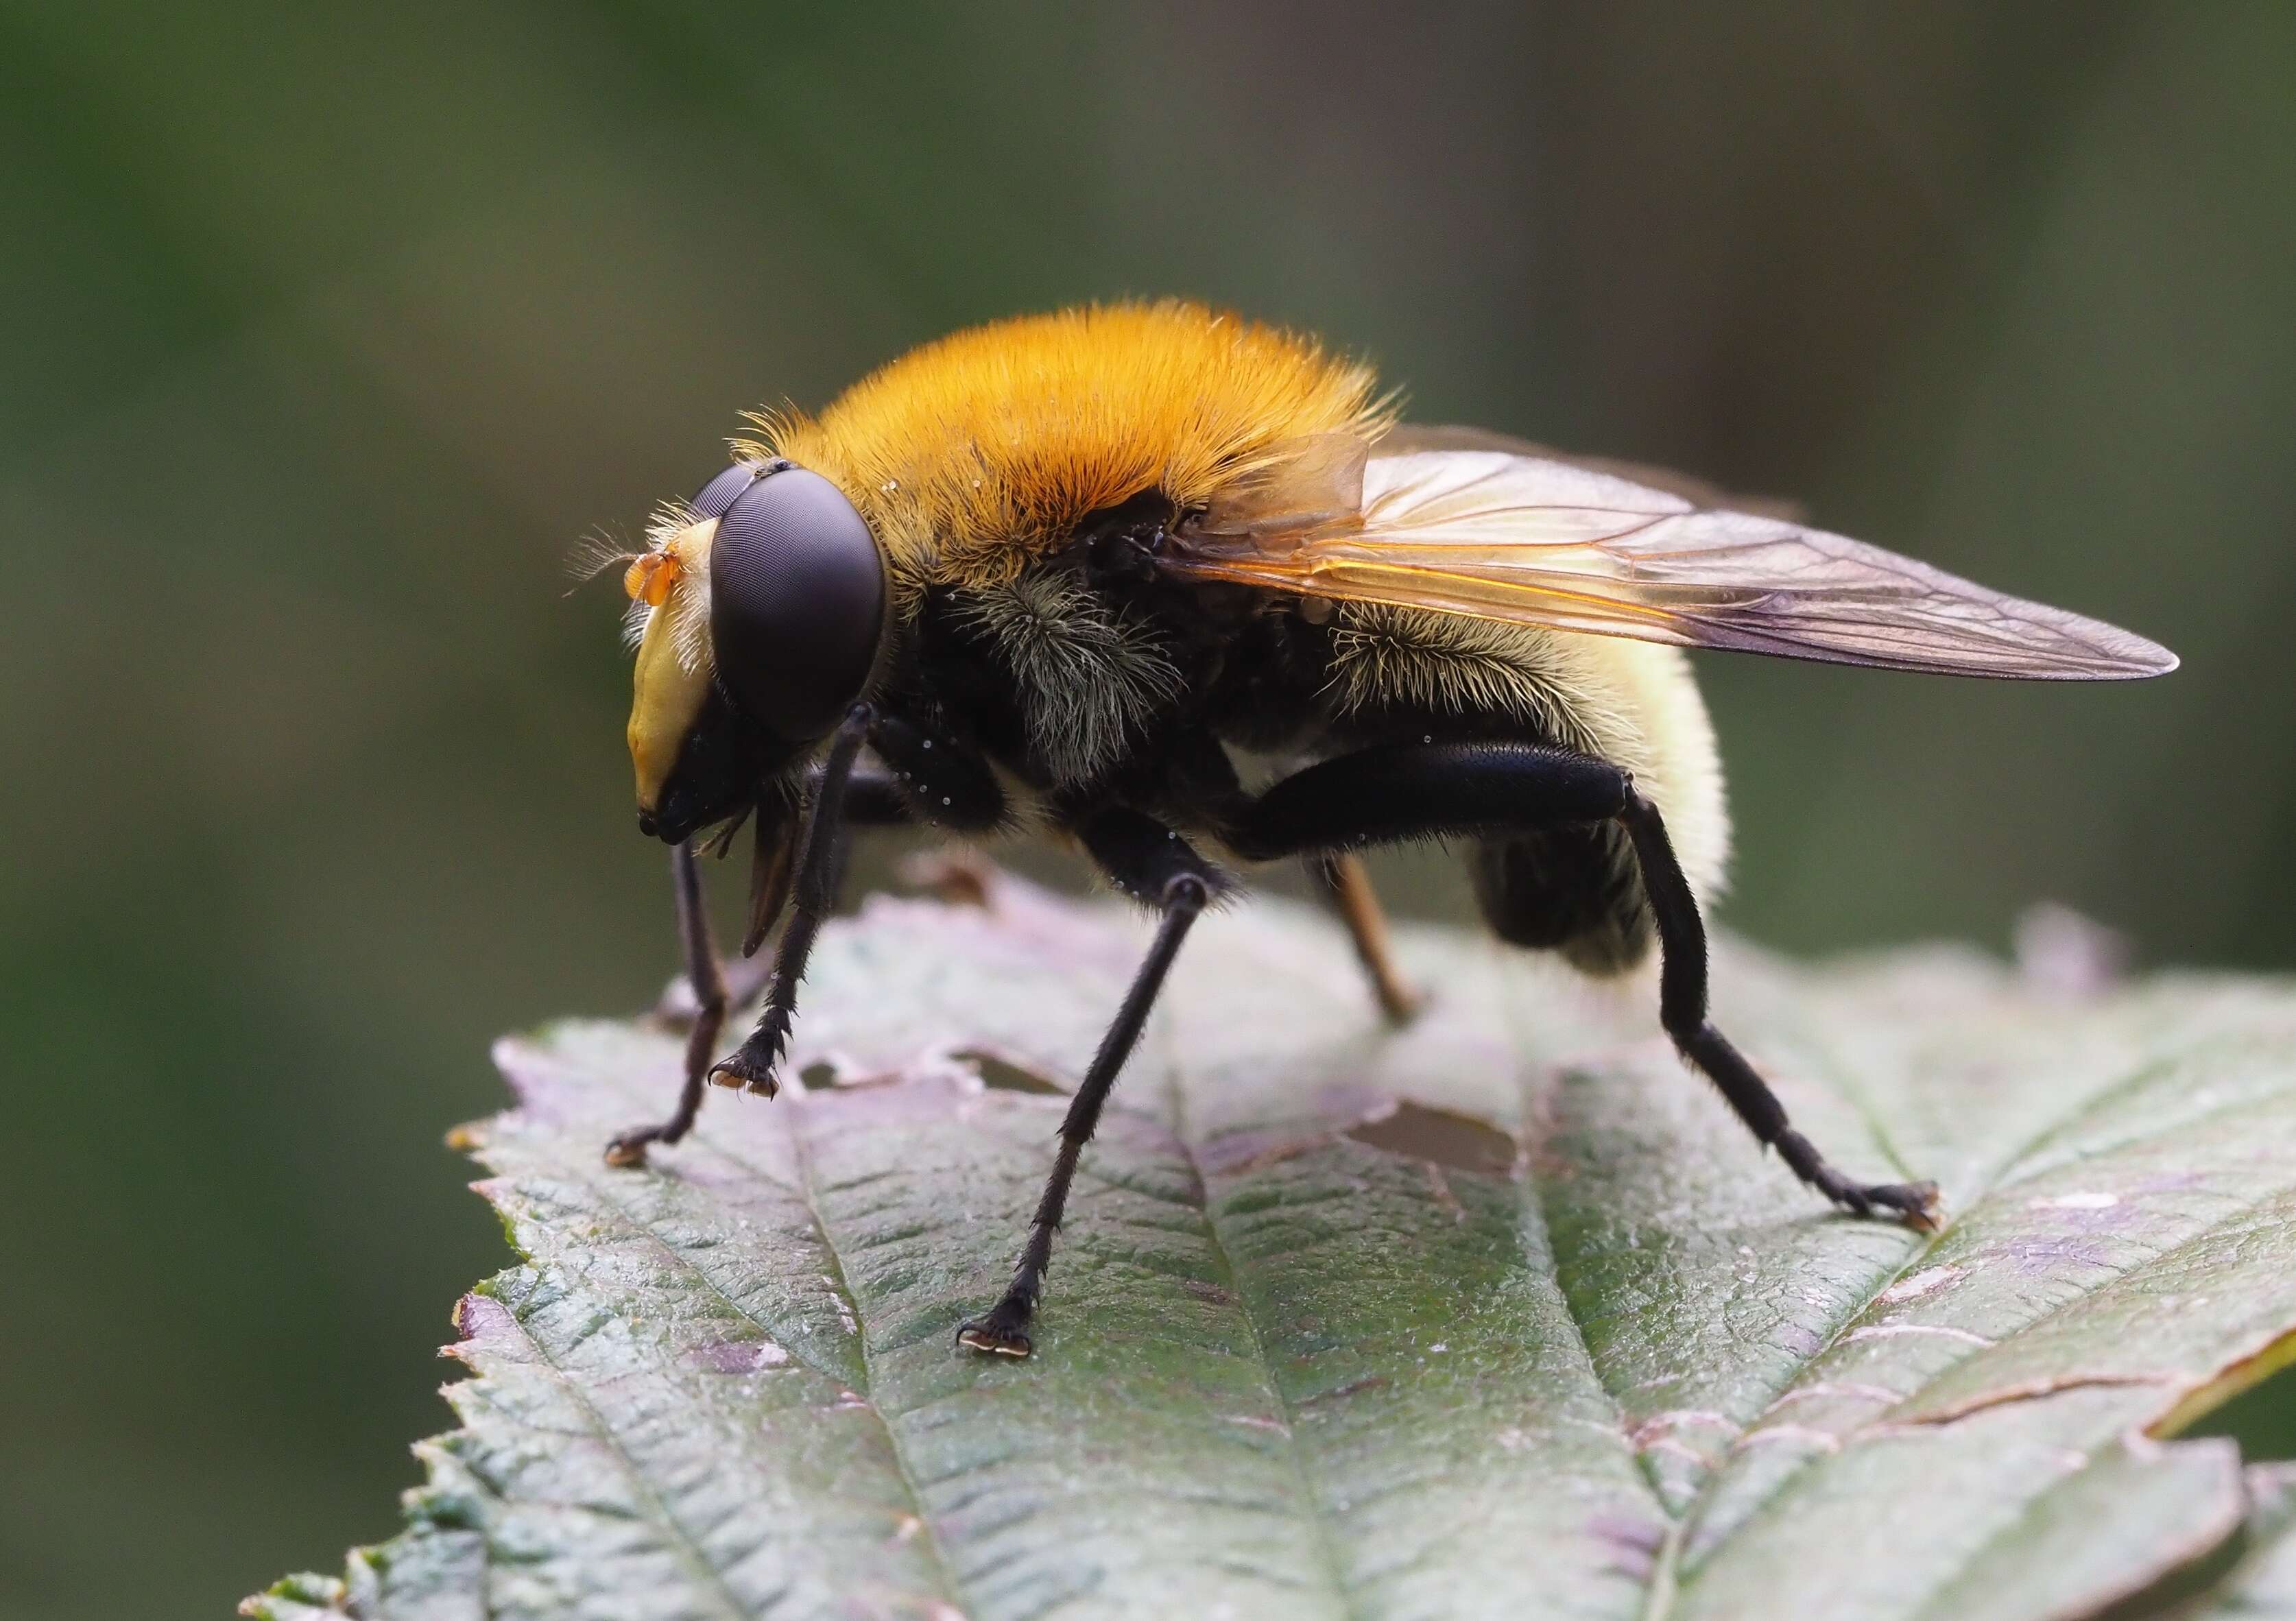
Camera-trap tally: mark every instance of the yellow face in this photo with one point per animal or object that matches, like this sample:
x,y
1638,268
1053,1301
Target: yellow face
x,y
673,669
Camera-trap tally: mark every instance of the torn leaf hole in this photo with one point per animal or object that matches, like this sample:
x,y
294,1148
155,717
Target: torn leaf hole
x,y
1460,1142
1001,1073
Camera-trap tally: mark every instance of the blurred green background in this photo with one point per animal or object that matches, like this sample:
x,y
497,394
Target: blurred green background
x,y
329,328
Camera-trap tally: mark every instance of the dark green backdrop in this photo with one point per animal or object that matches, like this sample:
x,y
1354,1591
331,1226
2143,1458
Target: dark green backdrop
x,y
327,328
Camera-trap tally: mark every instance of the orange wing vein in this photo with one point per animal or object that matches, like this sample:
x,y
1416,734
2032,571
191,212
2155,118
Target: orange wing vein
x,y
1536,541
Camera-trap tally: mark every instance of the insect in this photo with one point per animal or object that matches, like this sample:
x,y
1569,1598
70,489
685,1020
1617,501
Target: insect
x,y
1056,574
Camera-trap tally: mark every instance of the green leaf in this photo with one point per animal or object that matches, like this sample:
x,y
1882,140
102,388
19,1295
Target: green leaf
x,y
2263,1581
1502,1314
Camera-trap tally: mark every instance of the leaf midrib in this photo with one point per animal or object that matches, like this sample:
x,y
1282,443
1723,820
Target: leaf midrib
x,y
1310,1501
1529,1076
801,1144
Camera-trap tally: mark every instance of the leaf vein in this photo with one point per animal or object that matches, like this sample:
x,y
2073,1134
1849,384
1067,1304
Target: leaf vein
x,y
1311,1505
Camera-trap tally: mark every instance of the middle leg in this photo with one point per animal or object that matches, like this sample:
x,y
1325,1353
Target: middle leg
x,y
1151,863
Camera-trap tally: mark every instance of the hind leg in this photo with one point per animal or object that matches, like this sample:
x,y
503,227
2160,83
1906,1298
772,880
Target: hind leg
x,y
1386,795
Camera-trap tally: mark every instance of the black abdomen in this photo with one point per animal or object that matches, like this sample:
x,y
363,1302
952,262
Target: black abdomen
x,y
1573,890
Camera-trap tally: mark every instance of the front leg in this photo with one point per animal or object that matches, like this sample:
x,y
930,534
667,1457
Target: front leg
x,y
813,892
1150,862
711,999
873,797
1386,795
930,778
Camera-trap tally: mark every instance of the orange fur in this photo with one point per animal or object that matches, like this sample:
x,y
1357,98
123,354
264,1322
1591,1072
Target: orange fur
x,y
976,453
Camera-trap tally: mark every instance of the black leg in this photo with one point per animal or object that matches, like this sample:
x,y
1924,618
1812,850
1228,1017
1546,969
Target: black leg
x,y
1390,794
928,777
936,781
950,787
872,798
813,892
1346,884
1682,1009
709,997
772,865
1145,859
1425,791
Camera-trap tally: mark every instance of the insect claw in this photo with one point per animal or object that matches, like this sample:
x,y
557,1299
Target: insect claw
x,y
994,1337
1914,1203
627,1150
1921,1208
739,1069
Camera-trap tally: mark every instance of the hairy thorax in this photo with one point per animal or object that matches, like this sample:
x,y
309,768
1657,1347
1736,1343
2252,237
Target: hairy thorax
x,y
977,456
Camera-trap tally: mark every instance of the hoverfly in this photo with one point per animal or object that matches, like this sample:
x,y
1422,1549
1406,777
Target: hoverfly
x,y
1051,575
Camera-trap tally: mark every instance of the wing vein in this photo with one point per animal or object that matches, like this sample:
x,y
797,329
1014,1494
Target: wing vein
x,y
1538,542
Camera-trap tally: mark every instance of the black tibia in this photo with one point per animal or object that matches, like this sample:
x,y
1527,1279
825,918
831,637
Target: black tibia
x,y
873,798
773,863
709,997
1682,1009
928,779
1388,794
1346,883
813,891
1146,859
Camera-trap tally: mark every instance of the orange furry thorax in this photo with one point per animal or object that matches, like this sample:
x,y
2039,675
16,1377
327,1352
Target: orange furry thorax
x,y
976,453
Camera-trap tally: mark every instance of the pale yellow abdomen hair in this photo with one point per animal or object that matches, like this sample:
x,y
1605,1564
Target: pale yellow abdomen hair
x,y
1633,703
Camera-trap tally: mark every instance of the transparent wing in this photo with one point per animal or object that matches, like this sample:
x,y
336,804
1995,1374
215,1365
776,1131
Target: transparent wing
x,y
1495,535
1407,437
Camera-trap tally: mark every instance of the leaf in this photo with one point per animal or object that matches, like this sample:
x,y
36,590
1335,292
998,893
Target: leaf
x,y
1501,1315
2263,1582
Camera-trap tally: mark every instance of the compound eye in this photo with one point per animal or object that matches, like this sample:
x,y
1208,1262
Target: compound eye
x,y
797,603
712,499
